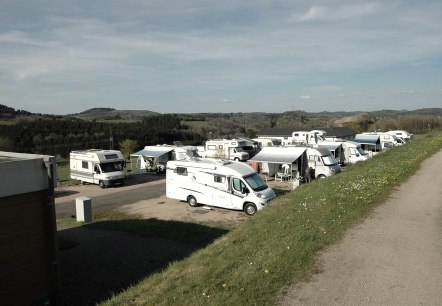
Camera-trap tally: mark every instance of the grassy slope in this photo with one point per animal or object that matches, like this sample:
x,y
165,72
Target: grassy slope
x,y
276,248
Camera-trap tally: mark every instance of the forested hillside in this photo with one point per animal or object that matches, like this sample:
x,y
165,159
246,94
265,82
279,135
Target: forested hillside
x,y
59,136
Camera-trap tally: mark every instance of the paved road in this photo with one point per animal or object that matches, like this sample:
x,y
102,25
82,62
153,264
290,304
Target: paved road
x,y
137,188
393,258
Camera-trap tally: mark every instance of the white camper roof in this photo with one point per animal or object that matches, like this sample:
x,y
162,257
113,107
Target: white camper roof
x,y
223,166
280,155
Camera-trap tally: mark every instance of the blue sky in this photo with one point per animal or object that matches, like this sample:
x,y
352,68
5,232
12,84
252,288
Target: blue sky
x,y
62,57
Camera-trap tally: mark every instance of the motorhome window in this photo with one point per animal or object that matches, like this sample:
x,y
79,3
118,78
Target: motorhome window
x,y
256,182
111,167
181,171
84,165
211,147
329,160
110,156
362,152
237,184
219,179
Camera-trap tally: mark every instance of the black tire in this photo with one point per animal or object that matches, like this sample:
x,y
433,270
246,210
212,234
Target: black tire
x,y
192,201
250,209
321,176
101,184
236,159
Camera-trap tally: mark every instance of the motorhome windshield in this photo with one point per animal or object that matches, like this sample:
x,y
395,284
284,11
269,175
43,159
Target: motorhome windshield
x,y
329,160
111,167
255,182
362,152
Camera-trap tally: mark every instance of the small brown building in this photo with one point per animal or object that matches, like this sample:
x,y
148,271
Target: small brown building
x,y
29,267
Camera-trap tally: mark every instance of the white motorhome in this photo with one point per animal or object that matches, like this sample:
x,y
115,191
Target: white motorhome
x,y
154,158
353,152
322,161
386,140
312,137
268,142
371,144
345,152
404,135
225,148
219,183
101,167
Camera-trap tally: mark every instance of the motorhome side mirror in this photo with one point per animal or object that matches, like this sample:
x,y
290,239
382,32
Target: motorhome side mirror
x,y
245,190
357,154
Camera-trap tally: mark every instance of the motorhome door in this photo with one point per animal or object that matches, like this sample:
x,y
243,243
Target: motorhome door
x,y
97,173
239,191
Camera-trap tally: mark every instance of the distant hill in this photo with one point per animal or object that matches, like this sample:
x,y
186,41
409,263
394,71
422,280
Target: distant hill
x,y
104,113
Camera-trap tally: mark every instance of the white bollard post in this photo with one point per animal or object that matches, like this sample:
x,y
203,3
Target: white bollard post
x,y
83,207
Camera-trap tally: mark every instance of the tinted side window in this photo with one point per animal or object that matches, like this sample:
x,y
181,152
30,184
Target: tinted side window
x,y
181,171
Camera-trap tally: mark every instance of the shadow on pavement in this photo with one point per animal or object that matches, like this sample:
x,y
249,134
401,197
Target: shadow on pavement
x,y
97,262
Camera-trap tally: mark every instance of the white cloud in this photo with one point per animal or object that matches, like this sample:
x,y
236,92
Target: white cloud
x,y
347,11
304,97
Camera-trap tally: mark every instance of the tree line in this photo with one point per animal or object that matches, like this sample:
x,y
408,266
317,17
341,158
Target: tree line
x,y
59,136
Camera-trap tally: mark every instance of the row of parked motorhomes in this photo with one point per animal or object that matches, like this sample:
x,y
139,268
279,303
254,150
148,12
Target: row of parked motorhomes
x,y
233,173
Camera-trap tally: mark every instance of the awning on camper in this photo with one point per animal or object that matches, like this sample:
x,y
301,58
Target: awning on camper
x,y
369,139
153,151
278,155
330,146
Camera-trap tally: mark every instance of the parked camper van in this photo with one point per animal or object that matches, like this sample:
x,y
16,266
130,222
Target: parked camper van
x,y
386,141
101,167
335,148
312,137
268,142
353,152
322,161
228,149
404,135
219,183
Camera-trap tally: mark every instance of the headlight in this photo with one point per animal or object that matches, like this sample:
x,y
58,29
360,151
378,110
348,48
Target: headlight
x,y
259,195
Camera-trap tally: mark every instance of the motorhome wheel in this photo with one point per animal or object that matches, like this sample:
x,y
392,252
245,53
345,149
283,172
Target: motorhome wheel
x,y
236,159
102,185
192,201
321,176
250,209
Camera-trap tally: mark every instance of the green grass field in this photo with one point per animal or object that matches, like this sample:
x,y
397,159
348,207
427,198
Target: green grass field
x,y
195,123
253,263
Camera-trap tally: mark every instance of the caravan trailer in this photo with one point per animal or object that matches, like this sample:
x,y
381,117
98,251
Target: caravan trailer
x,y
101,167
219,183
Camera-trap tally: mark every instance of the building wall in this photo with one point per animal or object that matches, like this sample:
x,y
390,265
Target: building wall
x,y
25,257
28,249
